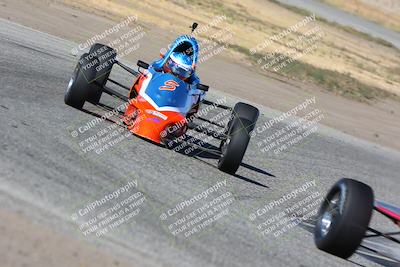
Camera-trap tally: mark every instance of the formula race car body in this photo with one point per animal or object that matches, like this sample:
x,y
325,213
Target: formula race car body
x,y
160,108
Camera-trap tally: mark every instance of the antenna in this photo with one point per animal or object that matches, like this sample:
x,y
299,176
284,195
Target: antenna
x,y
194,26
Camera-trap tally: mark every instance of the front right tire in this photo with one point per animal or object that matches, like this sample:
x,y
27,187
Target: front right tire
x,y
234,147
238,129
246,112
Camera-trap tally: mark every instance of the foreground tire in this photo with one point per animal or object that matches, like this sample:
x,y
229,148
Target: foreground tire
x,y
343,217
82,82
234,147
106,58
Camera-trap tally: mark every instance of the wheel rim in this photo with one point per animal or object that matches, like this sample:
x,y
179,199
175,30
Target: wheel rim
x,y
71,82
331,211
225,146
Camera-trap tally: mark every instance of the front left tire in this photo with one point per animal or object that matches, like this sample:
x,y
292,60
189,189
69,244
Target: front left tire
x,y
106,57
81,84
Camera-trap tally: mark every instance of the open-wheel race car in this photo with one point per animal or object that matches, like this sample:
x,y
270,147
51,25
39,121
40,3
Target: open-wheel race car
x,y
159,104
344,218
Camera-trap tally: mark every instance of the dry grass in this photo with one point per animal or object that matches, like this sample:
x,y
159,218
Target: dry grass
x,y
341,54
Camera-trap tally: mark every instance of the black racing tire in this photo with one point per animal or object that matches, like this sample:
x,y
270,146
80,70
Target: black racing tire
x,y
82,82
106,57
234,147
343,217
244,111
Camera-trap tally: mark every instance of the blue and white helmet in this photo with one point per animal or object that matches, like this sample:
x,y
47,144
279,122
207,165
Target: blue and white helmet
x,y
180,64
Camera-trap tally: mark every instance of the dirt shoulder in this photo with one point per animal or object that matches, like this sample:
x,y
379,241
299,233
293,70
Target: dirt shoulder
x,y
24,243
377,122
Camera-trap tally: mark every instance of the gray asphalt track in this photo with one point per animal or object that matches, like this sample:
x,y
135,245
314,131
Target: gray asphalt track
x,y
344,18
45,175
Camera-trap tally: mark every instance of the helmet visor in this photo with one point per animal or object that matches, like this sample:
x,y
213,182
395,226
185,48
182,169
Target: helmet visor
x,y
179,70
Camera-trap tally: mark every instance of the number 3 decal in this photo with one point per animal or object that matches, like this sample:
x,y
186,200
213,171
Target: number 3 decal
x,y
169,85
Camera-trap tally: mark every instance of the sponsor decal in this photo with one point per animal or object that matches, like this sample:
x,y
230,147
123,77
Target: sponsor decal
x,y
156,113
169,85
156,120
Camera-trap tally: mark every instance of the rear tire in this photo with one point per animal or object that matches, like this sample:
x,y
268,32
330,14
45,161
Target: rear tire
x,y
81,83
343,217
235,146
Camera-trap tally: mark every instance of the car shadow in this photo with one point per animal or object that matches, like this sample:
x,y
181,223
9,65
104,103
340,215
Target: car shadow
x,y
191,151
204,130
241,177
200,155
182,147
109,108
99,116
253,168
248,180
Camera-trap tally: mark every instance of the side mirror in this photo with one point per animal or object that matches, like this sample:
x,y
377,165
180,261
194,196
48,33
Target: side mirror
x,y
203,87
143,64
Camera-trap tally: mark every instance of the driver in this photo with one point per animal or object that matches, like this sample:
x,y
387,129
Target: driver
x,y
181,60
180,65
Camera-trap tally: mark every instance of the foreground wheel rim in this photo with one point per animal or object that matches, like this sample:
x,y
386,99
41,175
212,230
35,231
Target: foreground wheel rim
x,y
331,211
